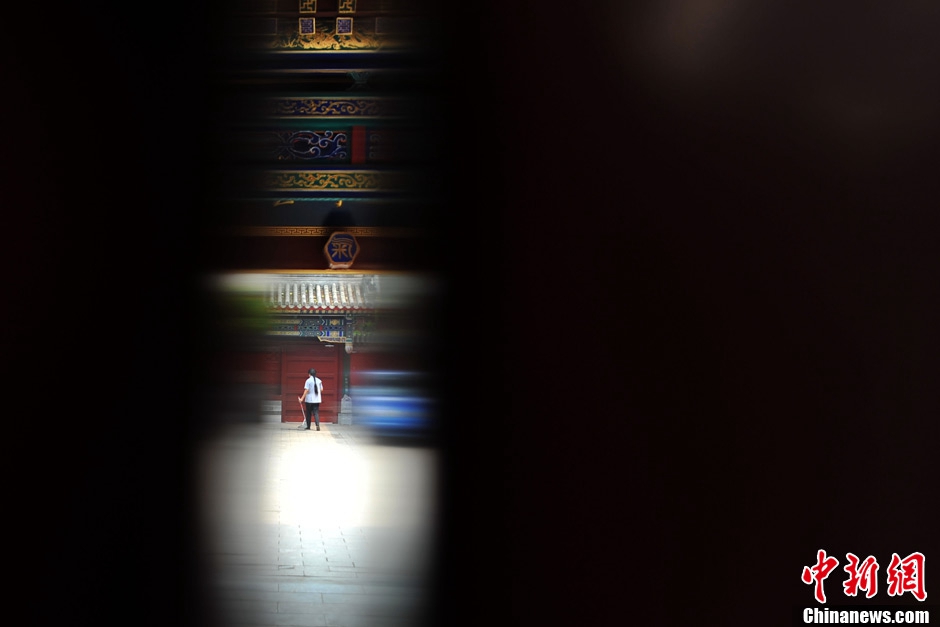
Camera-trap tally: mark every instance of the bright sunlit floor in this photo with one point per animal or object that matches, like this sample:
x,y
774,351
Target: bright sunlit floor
x,y
318,528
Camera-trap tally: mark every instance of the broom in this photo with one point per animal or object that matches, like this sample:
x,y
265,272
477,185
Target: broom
x,y
303,413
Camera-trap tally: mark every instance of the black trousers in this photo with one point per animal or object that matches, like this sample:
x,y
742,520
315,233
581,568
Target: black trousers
x,y
313,409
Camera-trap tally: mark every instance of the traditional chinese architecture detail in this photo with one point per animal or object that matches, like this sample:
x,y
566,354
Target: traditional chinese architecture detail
x,y
333,107
302,136
307,26
328,25
334,35
303,294
338,307
312,145
360,330
341,249
368,180
337,145
326,329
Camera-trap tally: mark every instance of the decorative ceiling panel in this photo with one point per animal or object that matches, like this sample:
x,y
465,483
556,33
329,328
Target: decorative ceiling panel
x,y
329,25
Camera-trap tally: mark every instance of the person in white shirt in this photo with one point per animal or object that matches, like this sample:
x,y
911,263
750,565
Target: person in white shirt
x,y
310,397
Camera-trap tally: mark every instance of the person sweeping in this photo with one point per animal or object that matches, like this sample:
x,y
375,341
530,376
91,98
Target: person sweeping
x,y
310,397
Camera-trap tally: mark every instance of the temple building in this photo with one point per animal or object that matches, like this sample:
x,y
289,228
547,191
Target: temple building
x,y
326,193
